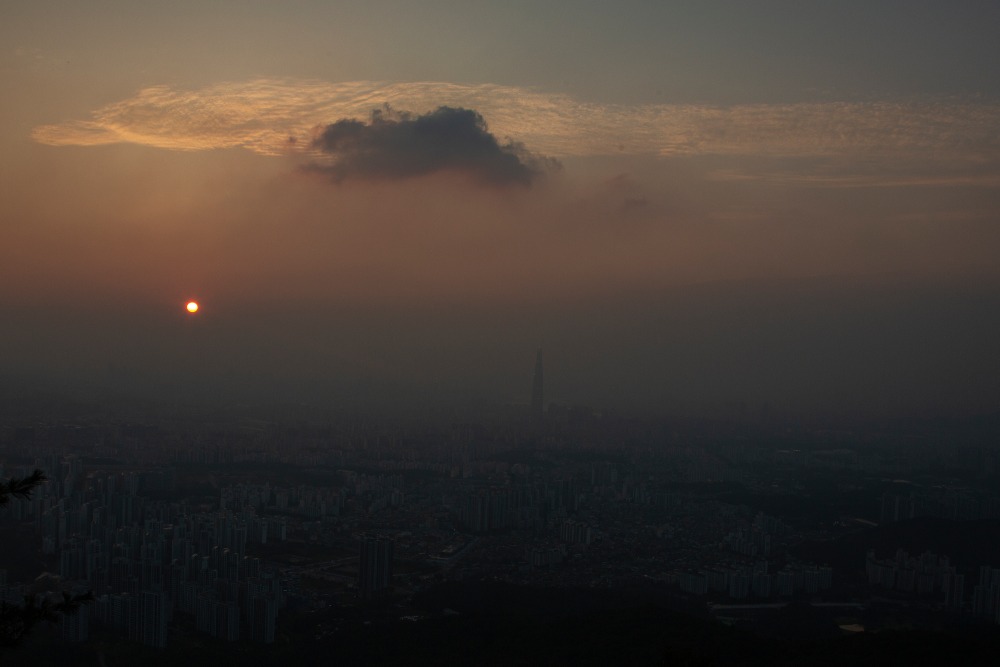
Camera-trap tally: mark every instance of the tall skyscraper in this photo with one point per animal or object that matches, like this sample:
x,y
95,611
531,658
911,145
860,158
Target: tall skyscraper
x,y
262,612
153,619
537,392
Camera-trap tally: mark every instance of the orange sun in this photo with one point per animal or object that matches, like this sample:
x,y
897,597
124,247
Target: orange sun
x,y
192,306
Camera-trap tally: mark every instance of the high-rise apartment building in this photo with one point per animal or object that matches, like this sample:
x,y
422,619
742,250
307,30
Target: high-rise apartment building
x,y
375,568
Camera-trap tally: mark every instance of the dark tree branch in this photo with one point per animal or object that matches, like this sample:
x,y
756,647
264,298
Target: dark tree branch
x,y
21,487
16,622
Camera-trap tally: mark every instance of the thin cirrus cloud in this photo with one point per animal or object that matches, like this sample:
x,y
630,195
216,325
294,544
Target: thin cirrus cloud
x,y
275,117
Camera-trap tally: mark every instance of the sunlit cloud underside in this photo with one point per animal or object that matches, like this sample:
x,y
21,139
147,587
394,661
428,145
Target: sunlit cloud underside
x,y
276,117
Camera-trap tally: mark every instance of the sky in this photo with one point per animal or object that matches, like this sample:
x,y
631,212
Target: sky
x,y
689,206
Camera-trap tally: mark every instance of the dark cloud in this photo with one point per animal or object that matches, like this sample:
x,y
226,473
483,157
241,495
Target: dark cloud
x,y
395,145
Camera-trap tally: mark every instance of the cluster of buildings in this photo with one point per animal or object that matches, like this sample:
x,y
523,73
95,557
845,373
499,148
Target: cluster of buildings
x,y
146,560
522,506
179,529
925,574
986,594
931,575
941,502
756,581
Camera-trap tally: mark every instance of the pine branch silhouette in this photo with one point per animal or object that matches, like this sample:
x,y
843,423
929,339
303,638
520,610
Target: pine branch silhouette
x,y
21,487
17,621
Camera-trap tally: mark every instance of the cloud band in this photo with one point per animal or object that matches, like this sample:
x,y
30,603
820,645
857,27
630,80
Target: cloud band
x,y
263,115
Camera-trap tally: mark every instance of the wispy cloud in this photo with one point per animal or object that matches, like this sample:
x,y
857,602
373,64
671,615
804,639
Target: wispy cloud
x,y
987,178
275,117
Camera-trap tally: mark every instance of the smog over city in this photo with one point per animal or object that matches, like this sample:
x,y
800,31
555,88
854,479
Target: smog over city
x,y
499,332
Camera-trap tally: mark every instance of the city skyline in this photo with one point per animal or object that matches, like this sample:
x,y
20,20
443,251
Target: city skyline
x,y
482,332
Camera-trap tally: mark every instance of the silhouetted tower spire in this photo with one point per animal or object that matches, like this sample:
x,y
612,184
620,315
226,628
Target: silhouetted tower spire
x,y
537,392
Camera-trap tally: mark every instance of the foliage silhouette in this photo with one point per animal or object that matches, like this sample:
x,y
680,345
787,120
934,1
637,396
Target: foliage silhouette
x,y
21,487
17,621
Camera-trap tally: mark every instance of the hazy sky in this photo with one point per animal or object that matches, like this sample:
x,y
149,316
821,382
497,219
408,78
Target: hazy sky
x,y
687,204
